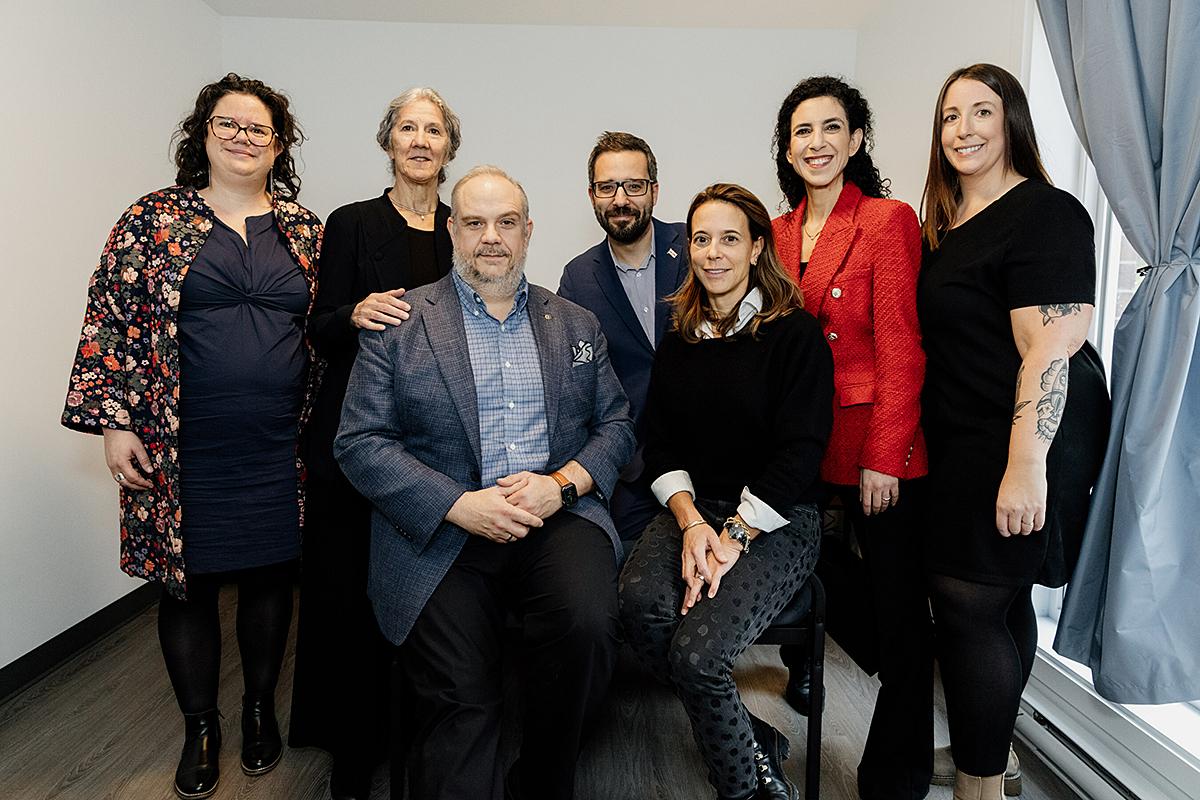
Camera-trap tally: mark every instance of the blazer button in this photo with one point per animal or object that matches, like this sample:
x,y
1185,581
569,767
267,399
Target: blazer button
x,y
832,336
379,256
836,293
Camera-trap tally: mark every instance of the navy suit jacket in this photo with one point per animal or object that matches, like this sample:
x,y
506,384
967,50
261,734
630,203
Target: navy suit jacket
x,y
590,280
409,435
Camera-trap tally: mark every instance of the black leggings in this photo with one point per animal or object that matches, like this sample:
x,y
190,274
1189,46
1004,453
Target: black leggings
x,y
190,633
986,640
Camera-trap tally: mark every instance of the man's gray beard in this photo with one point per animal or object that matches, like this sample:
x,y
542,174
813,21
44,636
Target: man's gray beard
x,y
629,234
503,286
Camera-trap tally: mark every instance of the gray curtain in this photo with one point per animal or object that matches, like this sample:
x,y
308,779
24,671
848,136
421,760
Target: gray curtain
x,y
1130,74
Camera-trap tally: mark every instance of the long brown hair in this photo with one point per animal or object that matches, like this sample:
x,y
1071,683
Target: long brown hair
x,y
780,295
939,201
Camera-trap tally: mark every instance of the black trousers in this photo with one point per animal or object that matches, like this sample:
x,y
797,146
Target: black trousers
x,y
633,507
561,581
897,760
696,652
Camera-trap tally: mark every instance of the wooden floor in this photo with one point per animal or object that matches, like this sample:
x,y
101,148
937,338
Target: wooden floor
x,y
105,725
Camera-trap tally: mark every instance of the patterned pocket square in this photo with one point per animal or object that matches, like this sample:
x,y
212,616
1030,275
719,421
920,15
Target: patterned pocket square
x,y
581,353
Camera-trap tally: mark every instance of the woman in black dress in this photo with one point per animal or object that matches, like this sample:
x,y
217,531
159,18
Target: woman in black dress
x,y
1005,299
193,364
738,414
373,250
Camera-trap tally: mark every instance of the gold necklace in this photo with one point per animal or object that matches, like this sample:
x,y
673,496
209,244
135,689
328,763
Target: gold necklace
x,y
812,237
400,206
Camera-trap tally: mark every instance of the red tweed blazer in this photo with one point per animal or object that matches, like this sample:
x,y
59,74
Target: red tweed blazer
x,y
861,285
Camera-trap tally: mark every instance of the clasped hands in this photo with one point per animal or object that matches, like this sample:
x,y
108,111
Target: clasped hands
x,y
507,511
707,556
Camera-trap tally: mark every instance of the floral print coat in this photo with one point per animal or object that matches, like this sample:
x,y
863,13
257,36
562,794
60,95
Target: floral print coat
x,y
126,370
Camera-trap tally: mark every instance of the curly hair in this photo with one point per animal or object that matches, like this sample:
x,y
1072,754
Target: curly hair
x,y
191,158
860,169
780,294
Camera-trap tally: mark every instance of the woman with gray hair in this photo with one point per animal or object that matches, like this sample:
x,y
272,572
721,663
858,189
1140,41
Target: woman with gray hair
x,y
373,251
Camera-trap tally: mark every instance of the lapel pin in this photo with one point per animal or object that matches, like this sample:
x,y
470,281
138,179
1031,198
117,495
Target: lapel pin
x,y
671,252
548,316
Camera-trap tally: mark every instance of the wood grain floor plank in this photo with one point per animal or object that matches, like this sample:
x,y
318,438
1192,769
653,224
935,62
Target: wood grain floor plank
x,y
105,726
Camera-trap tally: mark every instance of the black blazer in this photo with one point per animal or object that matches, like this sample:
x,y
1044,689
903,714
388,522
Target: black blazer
x,y
365,250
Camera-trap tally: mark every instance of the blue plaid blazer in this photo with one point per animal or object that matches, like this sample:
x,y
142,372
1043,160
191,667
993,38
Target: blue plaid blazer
x,y
409,435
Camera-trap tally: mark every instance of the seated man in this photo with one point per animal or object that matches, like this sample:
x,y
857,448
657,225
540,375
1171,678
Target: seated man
x,y
488,431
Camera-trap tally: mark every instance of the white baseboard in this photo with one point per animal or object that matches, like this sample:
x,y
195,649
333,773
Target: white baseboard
x,y
1102,749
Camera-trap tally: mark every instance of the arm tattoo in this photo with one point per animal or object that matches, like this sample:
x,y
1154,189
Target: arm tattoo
x,y
1018,403
1057,311
1050,406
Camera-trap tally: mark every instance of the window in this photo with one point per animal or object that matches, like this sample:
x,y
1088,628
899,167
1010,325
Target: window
x,y
1154,751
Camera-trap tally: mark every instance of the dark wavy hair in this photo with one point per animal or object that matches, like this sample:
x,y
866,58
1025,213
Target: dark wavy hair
x,y
939,201
191,159
779,292
860,168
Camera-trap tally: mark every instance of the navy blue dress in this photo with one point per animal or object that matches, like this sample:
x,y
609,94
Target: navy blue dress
x,y
241,341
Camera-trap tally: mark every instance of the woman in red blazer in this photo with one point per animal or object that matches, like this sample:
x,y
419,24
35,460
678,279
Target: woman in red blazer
x,y
855,255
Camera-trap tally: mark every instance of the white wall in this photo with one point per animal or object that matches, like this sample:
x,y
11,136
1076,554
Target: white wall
x,y
92,93
532,99
906,50
99,87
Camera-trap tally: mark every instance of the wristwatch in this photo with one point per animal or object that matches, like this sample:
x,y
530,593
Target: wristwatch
x,y
739,533
569,495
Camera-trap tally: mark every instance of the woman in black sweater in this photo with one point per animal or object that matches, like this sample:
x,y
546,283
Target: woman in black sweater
x,y
738,416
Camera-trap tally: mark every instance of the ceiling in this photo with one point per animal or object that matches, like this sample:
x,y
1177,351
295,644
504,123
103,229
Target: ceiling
x,y
621,13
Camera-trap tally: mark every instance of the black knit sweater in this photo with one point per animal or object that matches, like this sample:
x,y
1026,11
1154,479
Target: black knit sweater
x,y
744,412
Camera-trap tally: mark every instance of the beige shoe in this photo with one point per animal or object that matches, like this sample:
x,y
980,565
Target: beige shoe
x,y
943,770
973,787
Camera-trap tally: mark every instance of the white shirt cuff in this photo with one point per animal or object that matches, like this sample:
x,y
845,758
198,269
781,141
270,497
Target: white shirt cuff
x,y
757,514
669,483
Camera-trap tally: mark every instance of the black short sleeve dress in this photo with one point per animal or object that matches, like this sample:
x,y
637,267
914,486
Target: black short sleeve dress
x,y
1032,246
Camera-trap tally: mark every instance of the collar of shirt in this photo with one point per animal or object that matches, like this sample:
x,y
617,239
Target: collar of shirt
x,y
475,305
751,304
625,267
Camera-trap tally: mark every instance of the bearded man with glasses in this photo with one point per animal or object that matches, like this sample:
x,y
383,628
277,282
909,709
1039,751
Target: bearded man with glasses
x,y
624,280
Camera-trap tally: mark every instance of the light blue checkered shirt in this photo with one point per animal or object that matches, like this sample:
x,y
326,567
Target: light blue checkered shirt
x,y
513,432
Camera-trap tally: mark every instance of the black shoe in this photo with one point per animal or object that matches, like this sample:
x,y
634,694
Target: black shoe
x,y
770,751
349,780
799,690
199,769
261,744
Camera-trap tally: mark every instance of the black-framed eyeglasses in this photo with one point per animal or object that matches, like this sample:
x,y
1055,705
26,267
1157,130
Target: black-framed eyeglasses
x,y
634,187
228,128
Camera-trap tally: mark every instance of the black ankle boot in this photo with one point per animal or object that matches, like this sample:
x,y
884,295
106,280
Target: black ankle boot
x,y
261,744
199,768
770,751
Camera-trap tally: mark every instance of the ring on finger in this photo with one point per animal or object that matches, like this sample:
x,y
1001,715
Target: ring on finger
x,y
119,477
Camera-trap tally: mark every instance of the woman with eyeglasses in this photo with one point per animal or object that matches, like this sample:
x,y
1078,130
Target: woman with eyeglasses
x,y
193,365
373,251
738,414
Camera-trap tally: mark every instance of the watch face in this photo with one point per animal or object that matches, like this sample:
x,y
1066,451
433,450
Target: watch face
x,y
569,495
